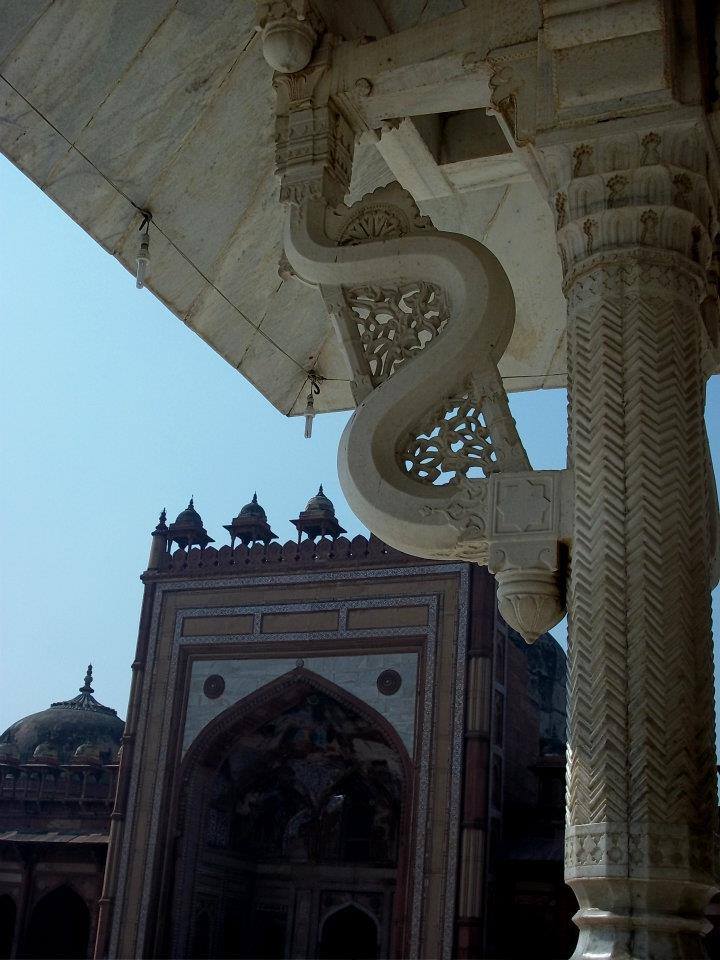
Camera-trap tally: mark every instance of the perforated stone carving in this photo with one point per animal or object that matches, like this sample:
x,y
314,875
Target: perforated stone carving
x,y
395,322
456,443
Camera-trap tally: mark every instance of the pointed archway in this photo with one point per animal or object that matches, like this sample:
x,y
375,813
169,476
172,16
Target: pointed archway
x,y
349,934
280,793
8,915
59,927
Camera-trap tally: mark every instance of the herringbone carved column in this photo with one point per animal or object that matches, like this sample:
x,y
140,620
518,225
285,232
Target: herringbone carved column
x,y
641,754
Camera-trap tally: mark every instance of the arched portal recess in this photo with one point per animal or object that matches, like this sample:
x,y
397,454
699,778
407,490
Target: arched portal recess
x,y
8,915
294,800
349,934
59,927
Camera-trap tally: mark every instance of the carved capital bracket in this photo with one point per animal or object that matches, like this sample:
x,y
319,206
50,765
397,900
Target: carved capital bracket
x,y
289,31
314,141
528,529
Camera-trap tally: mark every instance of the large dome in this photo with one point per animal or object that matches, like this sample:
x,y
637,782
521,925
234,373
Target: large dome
x,y
56,734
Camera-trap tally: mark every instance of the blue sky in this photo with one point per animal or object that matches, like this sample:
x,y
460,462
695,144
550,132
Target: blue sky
x,y
110,409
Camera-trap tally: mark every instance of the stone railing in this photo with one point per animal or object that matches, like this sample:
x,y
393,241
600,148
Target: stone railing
x,y
76,784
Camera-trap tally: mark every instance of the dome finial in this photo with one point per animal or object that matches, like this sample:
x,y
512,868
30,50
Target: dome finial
x,y
187,529
87,688
250,525
318,518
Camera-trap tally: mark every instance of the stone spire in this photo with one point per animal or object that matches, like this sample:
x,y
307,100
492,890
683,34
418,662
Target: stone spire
x,y
85,699
159,543
86,688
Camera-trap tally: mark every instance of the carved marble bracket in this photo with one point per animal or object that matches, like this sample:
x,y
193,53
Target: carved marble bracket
x,y
528,533
431,459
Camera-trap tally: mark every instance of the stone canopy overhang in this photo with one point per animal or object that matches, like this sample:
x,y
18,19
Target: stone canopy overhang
x,y
114,108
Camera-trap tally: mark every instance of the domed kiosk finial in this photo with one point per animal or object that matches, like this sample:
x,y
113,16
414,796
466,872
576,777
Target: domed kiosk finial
x,y
159,541
318,518
86,688
54,736
250,525
187,530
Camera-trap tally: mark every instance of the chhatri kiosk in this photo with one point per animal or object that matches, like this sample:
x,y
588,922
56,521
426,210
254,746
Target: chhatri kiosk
x,y
414,208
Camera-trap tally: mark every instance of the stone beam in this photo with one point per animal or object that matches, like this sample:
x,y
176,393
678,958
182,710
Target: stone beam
x,y
427,70
409,157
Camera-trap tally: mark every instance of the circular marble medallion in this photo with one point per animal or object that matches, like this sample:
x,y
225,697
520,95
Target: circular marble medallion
x,y
389,682
214,686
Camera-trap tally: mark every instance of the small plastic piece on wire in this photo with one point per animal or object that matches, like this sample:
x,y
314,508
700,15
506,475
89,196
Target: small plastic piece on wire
x,y
143,257
314,379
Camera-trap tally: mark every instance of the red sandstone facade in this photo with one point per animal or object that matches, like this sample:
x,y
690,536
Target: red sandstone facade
x,y
329,746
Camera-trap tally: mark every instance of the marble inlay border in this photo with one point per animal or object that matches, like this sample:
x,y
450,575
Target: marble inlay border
x,y
458,743
341,633
430,631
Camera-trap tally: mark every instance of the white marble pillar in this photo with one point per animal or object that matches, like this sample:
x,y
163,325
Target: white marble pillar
x,y
634,217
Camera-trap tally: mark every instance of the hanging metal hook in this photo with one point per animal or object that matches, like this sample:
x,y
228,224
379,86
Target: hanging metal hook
x,y
143,257
315,380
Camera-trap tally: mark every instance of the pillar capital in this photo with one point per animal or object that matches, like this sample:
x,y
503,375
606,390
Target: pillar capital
x,y
644,188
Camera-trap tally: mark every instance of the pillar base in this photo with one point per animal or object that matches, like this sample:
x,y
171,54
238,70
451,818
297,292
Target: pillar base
x,y
630,919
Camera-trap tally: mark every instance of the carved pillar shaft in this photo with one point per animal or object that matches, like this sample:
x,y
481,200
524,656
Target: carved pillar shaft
x,y
641,752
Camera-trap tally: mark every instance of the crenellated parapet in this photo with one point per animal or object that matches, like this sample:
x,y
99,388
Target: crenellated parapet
x,y
275,557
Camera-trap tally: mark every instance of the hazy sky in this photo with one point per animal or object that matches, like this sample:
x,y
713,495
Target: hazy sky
x,y
112,409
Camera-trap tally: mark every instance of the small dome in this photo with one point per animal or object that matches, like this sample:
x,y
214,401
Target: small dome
x,y
320,505
87,753
254,510
187,530
54,735
45,753
189,517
